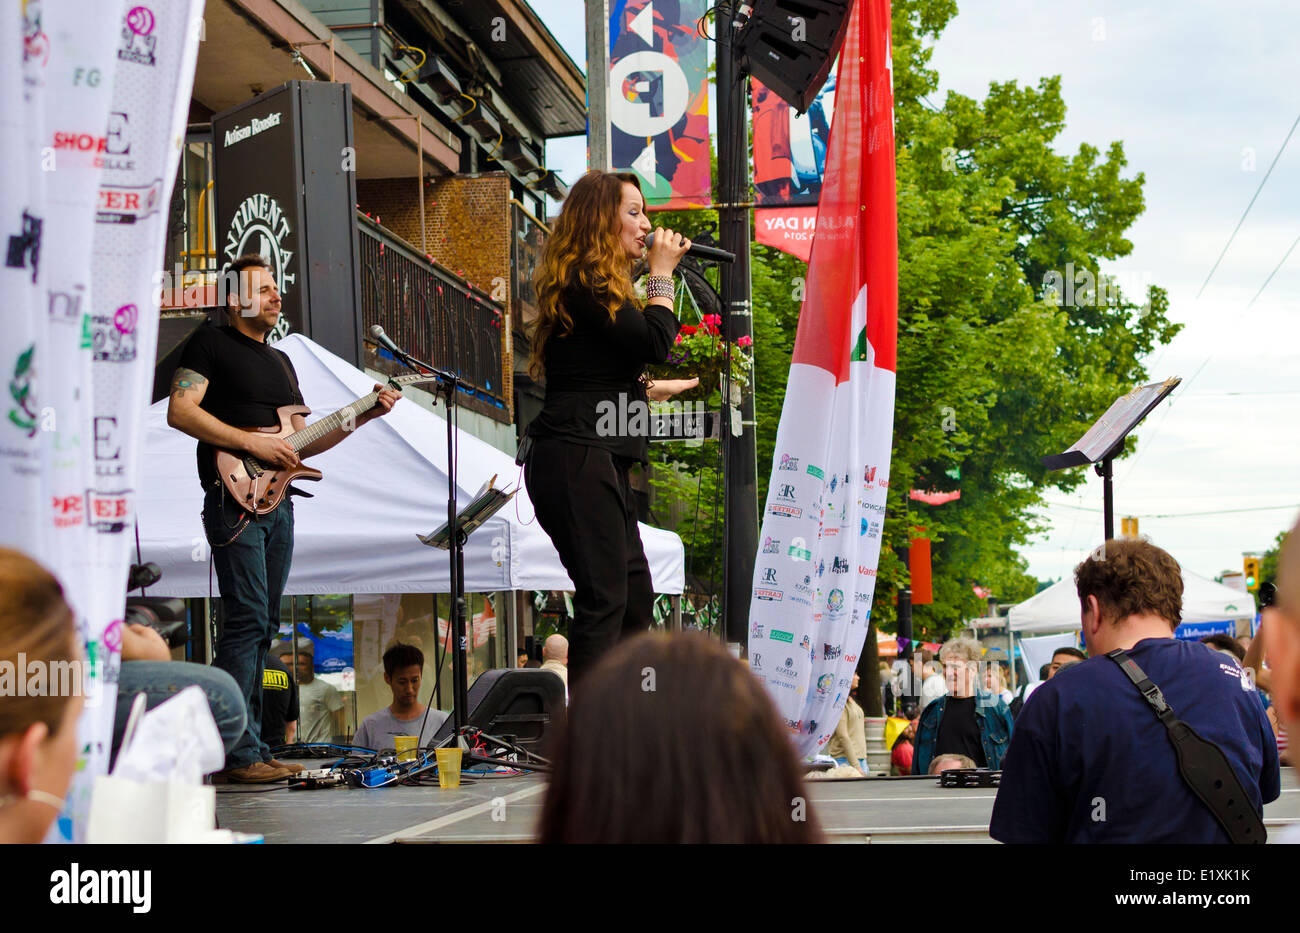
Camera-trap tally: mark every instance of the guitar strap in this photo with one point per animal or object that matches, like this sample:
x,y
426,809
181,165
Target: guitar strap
x,y
1202,764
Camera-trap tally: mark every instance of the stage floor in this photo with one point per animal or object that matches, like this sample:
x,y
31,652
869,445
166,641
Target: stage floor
x,y
506,810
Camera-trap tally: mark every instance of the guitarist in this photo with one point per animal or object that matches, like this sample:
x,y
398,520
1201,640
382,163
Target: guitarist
x,y
228,379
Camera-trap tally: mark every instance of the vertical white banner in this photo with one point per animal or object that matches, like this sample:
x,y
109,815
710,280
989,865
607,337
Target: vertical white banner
x,y
77,95
21,223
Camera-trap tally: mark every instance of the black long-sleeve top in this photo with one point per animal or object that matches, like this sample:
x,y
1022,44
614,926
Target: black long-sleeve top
x,y
593,375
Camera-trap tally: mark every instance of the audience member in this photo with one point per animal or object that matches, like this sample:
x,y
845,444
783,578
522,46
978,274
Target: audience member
x,y
521,661
1090,761
932,684
948,762
1228,645
904,750
673,740
148,668
38,733
279,703
320,707
970,720
406,715
848,745
995,681
1061,657
555,658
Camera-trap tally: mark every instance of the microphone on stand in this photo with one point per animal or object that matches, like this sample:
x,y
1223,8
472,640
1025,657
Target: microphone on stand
x,y
380,337
385,341
711,253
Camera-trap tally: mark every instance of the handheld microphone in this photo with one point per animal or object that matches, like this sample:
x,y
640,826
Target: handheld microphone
x,y
711,253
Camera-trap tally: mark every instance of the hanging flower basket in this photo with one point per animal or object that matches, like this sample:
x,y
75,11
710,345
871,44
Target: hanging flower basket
x,y
700,351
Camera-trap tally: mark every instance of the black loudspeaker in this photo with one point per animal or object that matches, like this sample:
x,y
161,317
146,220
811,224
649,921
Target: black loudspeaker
x,y
525,704
790,45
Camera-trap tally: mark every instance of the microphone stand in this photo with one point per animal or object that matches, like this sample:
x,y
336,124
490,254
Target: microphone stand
x,y
449,383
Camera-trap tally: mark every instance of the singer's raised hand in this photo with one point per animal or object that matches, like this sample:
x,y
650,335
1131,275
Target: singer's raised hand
x,y
666,250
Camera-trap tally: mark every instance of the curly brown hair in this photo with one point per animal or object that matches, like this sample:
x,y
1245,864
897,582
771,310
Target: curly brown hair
x,y
1129,577
583,250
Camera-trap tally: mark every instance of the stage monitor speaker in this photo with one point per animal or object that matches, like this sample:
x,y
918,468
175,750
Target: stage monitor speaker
x,y
523,703
790,45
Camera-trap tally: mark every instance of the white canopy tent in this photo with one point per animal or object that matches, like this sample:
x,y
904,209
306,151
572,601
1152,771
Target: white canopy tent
x,y
1056,609
381,488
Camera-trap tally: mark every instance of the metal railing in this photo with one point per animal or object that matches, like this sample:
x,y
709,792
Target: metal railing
x,y
430,313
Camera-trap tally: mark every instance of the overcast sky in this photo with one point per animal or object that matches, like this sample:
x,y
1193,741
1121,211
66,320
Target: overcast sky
x,y
1202,96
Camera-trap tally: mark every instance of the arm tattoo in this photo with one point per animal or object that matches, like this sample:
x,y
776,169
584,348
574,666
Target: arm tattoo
x,y
184,381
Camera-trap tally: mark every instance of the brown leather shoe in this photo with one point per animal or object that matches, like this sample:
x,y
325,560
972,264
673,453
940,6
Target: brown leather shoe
x,y
259,772
287,765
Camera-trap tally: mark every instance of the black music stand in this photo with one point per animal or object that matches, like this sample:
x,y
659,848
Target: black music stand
x,y
1105,440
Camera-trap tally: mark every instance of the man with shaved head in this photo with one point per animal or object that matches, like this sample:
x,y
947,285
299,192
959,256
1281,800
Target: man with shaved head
x,y
555,658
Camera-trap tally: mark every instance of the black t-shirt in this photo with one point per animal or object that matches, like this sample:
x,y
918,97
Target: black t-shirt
x,y
247,382
279,701
959,733
593,375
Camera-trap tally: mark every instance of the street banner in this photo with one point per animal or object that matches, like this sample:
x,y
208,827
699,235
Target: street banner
x,y
659,100
75,84
156,49
789,165
815,574
22,211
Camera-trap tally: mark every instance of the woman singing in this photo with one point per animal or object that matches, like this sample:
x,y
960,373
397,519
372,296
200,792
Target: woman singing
x,y
592,340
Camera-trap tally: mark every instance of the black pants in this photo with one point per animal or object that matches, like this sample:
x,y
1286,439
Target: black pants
x,y
585,503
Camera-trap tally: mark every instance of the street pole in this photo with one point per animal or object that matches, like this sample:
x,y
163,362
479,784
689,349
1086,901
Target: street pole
x,y
598,148
739,453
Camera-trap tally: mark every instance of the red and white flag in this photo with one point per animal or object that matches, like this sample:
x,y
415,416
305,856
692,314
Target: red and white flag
x,y
815,575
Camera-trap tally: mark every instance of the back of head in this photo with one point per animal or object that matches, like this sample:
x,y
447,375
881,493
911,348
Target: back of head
x,y
948,762
36,623
555,648
1226,643
670,739
1131,576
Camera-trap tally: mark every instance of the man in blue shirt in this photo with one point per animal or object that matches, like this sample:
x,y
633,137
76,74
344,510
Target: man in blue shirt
x,y
1089,760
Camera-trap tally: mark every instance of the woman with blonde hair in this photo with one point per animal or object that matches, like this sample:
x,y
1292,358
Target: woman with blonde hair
x,y
38,733
591,341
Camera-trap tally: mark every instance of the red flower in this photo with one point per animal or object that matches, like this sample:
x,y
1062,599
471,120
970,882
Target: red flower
x,y
745,341
689,329
714,319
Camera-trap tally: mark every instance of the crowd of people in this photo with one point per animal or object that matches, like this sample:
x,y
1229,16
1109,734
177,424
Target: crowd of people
x,y
1084,756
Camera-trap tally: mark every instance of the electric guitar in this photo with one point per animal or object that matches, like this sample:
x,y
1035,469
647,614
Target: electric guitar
x,y
260,487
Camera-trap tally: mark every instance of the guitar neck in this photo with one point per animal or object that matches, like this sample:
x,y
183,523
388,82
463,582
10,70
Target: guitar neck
x,y
318,429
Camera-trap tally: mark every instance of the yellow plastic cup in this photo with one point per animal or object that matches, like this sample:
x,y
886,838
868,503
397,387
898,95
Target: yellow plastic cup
x,y
406,746
448,767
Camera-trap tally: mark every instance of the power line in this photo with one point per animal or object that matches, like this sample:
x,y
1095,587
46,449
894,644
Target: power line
x,y
1273,273
1262,182
1262,508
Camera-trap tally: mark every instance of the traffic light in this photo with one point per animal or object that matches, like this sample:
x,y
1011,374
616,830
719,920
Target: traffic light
x,y
1250,567
1128,526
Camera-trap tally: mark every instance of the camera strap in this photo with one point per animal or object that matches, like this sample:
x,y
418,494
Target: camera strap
x,y
1202,764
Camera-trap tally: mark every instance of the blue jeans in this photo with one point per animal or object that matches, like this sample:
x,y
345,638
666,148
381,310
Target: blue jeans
x,y
162,680
251,574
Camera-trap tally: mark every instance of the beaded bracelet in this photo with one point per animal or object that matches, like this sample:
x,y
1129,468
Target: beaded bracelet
x,y
660,286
